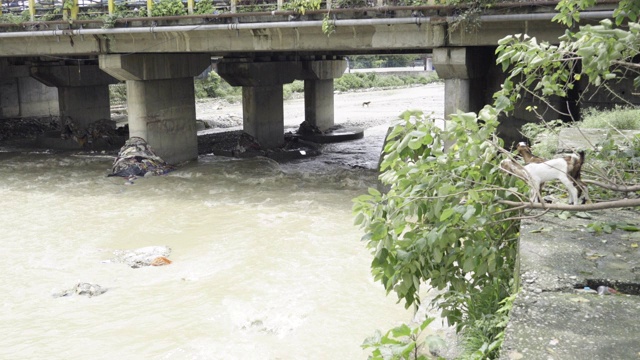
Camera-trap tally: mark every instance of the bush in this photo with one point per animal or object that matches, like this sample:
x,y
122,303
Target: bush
x,y
168,8
440,224
348,82
215,87
621,118
118,94
389,81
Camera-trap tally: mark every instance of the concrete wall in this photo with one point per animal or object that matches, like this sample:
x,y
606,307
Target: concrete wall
x,y
26,97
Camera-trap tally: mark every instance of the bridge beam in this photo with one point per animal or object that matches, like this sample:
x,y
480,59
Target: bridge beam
x,y
83,91
161,99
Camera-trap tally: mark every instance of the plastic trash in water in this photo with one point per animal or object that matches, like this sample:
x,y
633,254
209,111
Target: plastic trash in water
x,y
605,290
585,290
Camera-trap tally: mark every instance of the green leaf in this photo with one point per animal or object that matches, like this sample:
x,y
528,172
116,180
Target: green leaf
x,y
629,228
447,214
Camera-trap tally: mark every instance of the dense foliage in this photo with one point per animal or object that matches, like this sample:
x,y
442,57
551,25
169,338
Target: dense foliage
x,y
598,54
381,61
372,80
440,223
168,8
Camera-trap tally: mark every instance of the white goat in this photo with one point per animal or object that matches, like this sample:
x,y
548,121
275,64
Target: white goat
x,y
537,174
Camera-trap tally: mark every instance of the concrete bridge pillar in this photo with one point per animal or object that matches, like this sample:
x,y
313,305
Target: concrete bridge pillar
x,y
461,69
464,70
318,78
161,99
262,101
318,103
83,91
262,107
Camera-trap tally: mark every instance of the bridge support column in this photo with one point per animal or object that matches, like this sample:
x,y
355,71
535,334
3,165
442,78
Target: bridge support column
x,y
457,66
161,99
464,72
262,103
318,103
83,91
263,114
318,90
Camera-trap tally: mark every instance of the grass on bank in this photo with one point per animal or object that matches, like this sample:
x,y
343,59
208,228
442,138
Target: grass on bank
x,y
544,135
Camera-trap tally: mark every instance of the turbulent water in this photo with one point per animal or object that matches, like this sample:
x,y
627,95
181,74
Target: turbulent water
x,y
266,261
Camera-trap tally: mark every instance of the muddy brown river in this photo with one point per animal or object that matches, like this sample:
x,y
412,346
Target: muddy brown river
x,y
266,262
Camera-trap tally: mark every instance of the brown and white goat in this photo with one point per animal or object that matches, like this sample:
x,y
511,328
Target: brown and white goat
x,y
538,173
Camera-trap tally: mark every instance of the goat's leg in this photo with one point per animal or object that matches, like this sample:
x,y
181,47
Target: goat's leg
x,y
535,191
573,192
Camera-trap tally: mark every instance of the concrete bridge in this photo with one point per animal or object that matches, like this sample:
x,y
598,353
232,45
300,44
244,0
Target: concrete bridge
x,y
159,57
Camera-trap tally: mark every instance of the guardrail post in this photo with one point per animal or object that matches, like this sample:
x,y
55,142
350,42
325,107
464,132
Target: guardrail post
x,y
234,6
380,3
279,6
32,10
190,7
328,4
149,7
111,6
74,10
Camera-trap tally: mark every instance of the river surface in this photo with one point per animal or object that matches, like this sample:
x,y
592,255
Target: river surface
x,y
267,263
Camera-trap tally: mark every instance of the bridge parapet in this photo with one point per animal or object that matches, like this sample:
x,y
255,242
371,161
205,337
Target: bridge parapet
x,y
47,10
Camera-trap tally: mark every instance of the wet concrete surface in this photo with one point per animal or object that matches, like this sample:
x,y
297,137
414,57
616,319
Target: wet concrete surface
x,y
558,313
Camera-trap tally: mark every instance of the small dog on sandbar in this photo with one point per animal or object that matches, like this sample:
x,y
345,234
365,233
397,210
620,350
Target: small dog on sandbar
x,y
366,103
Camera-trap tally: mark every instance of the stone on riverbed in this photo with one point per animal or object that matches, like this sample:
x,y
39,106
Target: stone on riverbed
x,y
85,289
146,256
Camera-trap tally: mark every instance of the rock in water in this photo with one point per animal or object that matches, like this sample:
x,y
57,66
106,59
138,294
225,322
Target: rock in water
x,y
137,158
85,289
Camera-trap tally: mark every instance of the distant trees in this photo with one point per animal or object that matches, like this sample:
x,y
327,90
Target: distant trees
x,y
380,61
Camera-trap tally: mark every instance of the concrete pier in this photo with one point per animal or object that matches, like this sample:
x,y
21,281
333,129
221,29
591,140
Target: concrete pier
x,y
318,78
83,91
464,71
262,105
262,101
161,99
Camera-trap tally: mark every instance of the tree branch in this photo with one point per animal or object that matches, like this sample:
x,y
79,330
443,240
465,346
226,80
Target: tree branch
x,y
586,207
612,186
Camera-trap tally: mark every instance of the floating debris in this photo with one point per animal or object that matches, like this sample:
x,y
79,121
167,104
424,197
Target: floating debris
x,y
146,256
137,158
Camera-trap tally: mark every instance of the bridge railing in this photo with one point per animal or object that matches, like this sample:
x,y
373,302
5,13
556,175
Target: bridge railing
x,y
44,10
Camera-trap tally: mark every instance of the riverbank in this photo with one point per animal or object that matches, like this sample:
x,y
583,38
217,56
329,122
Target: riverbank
x,y
559,313
383,105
